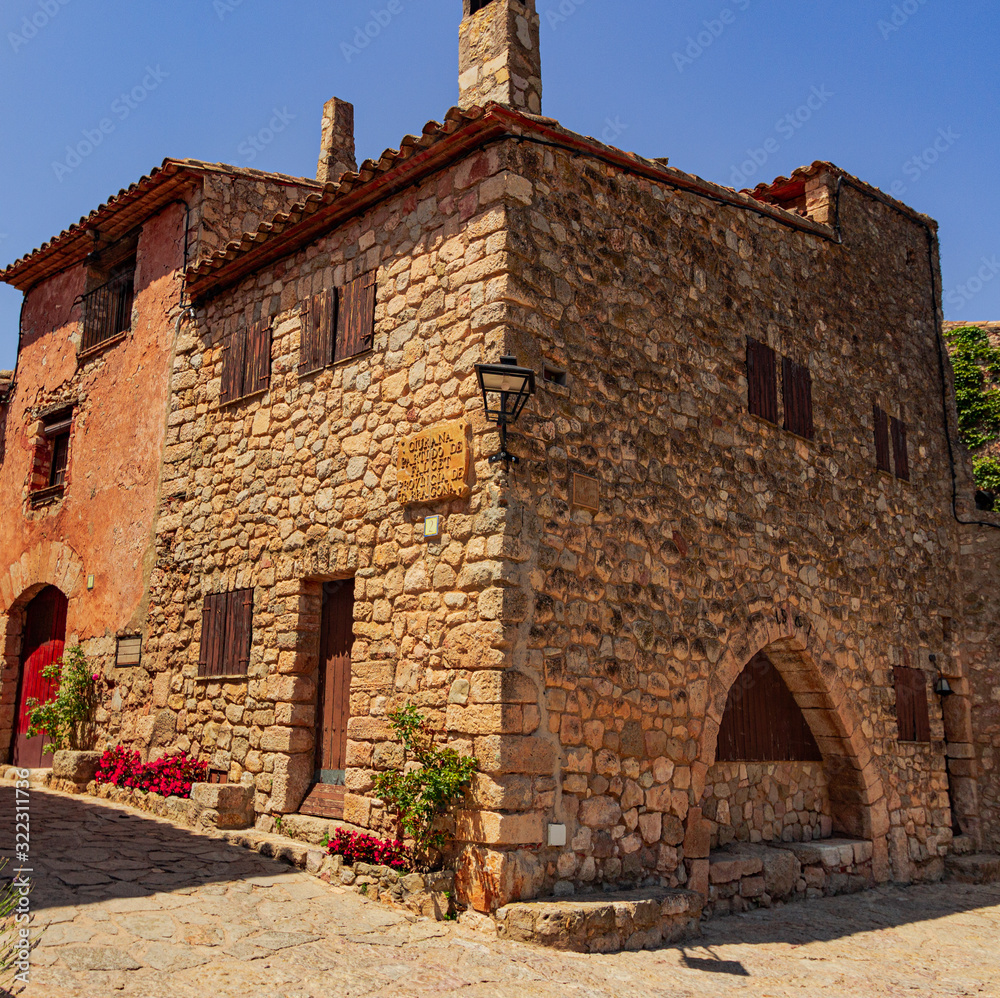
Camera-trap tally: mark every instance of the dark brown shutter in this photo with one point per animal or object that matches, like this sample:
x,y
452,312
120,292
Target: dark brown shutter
x,y
912,712
762,721
356,317
233,363
900,457
212,624
318,324
241,609
796,388
762,387
258,359
881,439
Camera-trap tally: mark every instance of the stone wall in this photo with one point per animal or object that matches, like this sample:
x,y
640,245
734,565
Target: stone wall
x,y
719,535
287,489
766,802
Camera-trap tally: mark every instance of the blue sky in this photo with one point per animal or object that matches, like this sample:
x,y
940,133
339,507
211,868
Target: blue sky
x,y
903,94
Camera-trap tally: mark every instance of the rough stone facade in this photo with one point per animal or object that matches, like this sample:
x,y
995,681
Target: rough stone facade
x,y
580,621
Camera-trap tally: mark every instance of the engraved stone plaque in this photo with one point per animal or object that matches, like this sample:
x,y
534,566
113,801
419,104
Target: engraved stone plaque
x,y
434,464
587,493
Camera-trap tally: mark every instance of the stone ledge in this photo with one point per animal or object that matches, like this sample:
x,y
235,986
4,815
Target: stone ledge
x,y
604,923
980,868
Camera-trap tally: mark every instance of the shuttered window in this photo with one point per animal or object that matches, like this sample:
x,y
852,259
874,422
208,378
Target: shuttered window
x,y
796,389
226,634
356,318
246,361
319,319
900,456
881,439
762,381
762,722
911,705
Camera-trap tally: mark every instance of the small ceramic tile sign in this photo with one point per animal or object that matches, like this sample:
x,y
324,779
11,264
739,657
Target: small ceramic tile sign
x,y
432,527
587,493
433,465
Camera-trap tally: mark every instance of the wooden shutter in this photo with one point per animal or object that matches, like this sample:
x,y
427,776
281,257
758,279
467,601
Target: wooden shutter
x,y
796,387
258,358
762,387
762,721
319,319
356,318
912,712
241,614
881,439
213,622
233,363
900,457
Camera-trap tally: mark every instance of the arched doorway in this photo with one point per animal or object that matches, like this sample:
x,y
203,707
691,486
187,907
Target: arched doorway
x,y
43,638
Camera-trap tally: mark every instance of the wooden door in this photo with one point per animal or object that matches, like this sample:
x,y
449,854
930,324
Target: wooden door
x,y
333,706
42,643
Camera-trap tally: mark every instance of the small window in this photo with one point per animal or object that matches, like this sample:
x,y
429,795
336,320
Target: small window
x,y
50,462
881,439
246,362
900,456
338,324
107,309
129,651
762,386
796,390
226,634
553,376
475,6
912,714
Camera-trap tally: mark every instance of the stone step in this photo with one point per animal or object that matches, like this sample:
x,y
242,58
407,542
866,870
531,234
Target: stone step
x,y
980,868
604,923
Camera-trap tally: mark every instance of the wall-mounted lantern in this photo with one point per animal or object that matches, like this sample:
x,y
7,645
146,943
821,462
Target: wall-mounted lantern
x,y
943,688
506,388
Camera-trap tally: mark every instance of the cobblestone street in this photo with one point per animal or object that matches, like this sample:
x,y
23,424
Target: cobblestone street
x,y
126,904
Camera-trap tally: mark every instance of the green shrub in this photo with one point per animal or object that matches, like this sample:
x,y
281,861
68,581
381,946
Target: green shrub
x,y
64,717
423,795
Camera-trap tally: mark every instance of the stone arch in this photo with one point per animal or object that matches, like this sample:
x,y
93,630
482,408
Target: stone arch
x,y
48,563
857,795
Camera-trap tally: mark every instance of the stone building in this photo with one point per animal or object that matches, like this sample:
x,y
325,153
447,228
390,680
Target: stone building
x,y
83,418
708,605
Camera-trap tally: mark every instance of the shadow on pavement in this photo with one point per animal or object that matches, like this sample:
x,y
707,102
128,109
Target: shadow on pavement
x,y
83,852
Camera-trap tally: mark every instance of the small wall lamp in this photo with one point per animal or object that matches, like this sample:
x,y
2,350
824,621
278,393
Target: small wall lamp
x,y
943,688
506,388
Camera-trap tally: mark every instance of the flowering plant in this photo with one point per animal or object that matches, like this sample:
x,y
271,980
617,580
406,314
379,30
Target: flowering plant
x,y
169,776
64,717
357,847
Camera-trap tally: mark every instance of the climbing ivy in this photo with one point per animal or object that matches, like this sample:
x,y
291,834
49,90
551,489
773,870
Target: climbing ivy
x,y
976,363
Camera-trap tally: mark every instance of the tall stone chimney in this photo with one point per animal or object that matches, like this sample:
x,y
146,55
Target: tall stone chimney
x,y
499,55
336,154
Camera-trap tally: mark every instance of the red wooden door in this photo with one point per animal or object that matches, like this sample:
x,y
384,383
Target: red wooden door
x,y
333,705
42,643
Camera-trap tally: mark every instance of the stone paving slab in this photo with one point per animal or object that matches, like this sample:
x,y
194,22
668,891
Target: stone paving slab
x,y
212,932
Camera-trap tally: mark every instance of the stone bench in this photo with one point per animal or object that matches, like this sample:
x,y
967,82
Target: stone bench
x,y
603,923
744,876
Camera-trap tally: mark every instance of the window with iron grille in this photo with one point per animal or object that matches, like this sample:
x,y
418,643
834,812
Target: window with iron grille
x,y
762,381
226,634
107,310
246,361
912,713
338,324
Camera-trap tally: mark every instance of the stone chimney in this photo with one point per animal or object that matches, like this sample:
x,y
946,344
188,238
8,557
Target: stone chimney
x,y
336,154
499,58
